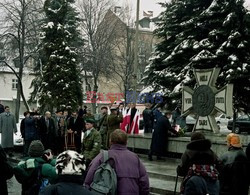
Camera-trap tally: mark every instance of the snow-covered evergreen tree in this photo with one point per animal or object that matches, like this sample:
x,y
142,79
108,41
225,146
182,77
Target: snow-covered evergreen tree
x,y
202,34
61,83
227,46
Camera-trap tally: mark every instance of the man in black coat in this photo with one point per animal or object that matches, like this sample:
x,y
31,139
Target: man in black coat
x,y
76,125
148,118
6,172
48,131
160,136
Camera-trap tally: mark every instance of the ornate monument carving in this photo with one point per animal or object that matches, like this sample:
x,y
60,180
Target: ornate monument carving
x,y
206,100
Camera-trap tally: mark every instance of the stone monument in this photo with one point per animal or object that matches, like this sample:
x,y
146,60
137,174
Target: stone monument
x,y
206,100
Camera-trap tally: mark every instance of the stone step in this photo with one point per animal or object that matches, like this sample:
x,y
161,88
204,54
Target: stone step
x,y
164,187
162,175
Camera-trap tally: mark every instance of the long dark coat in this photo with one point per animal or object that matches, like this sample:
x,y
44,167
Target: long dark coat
x,y
148,120
48,135
160,136
234,175
77,126
7,128
30,129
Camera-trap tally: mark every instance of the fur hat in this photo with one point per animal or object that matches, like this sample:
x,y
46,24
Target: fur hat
x,y
36,149
234,140
70,163
197,136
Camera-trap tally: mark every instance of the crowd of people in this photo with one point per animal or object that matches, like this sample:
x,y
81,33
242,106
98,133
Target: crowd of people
x,y
40,173
206,173
87,168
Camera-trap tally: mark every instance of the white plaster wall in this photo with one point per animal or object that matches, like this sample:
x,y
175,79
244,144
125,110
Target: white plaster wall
x,y
6,91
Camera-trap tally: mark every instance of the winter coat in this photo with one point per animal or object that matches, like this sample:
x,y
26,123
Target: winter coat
x,y
148,120
30,130
77,125
234,178
133,111
197,152
156,115
160,136
113,124
47,134
103,123
197,185
103,129
91,144
23,171
67,184
6,172
131,174
7,128
22,128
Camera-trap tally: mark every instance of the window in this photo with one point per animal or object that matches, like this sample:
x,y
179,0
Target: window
x,y
14,84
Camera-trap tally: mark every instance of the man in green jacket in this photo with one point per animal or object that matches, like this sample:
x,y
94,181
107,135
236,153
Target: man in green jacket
x,y
26,169
91,141
114,120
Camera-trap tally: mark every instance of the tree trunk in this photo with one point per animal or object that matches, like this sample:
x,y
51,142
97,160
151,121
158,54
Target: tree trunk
x,y
21,36
95,89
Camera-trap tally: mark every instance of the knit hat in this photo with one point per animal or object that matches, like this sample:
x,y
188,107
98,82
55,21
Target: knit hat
x,y
36,149
234,140
70,163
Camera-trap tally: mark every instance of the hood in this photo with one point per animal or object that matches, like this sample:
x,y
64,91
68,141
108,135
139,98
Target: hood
x,y
199,145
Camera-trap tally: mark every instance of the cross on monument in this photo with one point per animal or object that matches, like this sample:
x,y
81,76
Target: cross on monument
x,y
206,100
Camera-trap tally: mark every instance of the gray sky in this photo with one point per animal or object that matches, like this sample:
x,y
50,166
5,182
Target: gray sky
x,y
145,5
151,5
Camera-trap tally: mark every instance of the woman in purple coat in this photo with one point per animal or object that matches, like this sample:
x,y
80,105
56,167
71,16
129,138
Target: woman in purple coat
x,y
132,178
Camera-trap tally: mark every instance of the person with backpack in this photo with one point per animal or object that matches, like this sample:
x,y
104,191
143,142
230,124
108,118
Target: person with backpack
x,y
234,178
37,171
6,171
70,167
118,170
199,160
